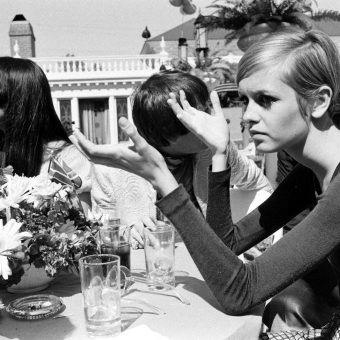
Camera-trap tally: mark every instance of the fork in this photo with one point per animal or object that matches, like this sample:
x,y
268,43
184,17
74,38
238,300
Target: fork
x,y
147,304
164,285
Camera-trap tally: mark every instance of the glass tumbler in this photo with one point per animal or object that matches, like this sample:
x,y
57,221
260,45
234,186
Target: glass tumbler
x,y
116,240
100,285
159,249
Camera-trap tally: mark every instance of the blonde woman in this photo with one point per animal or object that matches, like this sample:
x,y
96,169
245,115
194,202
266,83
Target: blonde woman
x,y
290,85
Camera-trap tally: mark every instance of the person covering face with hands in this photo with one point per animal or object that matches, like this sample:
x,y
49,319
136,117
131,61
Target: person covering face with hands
x,y
212,129
144,160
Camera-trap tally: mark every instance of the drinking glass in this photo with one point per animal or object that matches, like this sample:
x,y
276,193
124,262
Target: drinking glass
x,y
100,285
159,249
107,213
115,239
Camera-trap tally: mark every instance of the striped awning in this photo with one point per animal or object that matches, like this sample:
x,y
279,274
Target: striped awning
x,y
225,87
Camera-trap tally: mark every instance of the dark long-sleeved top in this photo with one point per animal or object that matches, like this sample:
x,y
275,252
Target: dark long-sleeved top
x,y
214,244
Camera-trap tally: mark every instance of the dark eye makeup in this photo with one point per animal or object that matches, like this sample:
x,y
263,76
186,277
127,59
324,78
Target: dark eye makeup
x,y
260,98
265,100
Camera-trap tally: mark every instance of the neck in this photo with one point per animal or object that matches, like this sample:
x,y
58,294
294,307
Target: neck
x,y
320,153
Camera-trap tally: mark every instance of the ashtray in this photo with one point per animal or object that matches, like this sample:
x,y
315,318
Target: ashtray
x,y
35,307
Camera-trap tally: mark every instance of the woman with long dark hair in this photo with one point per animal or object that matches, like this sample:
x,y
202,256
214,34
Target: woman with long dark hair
x,y
32,134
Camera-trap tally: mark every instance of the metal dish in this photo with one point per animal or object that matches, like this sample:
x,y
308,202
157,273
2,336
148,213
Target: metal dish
x,y
35,307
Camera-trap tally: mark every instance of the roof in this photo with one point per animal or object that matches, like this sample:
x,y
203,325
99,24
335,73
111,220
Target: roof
x,y
215,38
20,26
188,29
19,17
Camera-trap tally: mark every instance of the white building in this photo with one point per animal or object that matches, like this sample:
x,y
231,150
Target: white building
x,y
92,92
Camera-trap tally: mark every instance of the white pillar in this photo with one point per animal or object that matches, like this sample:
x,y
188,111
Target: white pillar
x,y
75,114
113,128
129,108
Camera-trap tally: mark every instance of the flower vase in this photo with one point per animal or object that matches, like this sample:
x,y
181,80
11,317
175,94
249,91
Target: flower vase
x,y
33,280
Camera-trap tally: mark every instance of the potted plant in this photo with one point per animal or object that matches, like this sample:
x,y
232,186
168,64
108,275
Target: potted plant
x,y
250,20
43,231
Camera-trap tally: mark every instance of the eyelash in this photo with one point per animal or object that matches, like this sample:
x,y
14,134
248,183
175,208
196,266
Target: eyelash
x,y
263,100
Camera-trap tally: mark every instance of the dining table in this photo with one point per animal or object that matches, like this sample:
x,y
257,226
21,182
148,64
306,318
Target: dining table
x,y
162,312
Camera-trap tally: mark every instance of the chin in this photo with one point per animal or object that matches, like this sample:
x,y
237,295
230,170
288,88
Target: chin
x,y
265,148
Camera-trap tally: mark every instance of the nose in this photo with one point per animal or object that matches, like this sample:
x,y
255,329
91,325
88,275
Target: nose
x,y
250,115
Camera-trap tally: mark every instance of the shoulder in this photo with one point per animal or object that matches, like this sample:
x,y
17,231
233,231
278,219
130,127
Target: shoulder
x,y
301,183
301,175
334,185
79,163
70,152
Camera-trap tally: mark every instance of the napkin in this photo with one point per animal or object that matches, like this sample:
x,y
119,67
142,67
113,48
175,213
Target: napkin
x,y
140,332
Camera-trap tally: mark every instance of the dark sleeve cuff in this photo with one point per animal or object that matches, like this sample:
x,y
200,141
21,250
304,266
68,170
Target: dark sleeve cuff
x,y
220,176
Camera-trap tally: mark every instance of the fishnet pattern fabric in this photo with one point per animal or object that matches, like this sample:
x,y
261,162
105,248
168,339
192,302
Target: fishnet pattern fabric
x,y
331,331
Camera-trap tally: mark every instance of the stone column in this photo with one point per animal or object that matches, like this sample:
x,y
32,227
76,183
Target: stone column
x,y
113,120
75,114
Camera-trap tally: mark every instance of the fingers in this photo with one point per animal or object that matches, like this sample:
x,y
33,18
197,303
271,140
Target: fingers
x,y
137,230
136,235
101,154
80,141
107,154
215,100
151,240
93,150
138,141
185,104
149,223
176,108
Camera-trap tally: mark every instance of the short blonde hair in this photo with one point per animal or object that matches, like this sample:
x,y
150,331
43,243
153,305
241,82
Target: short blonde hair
x,y
305,60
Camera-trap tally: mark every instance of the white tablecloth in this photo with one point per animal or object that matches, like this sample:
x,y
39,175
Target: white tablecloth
x,y
203,319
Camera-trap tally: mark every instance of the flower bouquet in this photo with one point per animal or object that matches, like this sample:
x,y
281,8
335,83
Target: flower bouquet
x,y
43,224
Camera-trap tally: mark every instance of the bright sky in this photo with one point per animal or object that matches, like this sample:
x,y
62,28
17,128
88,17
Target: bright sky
x,y
97,27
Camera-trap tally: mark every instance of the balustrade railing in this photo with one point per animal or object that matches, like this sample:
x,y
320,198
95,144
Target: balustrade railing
x,y
79,67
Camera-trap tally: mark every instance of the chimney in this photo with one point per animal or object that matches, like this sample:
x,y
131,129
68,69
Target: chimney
x,y
22,40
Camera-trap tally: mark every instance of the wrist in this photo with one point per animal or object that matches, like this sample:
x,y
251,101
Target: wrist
x,y
219,162
164,183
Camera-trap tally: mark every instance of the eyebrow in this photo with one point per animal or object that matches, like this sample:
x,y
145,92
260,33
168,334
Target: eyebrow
x,y
260,92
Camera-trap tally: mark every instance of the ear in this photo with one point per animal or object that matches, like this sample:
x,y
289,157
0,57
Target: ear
x,y
322,101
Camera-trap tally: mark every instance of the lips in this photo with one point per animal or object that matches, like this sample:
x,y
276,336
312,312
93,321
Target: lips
x,y
254,132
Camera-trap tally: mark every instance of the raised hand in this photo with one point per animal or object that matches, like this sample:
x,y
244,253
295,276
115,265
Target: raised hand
x,y
140,158
212,129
